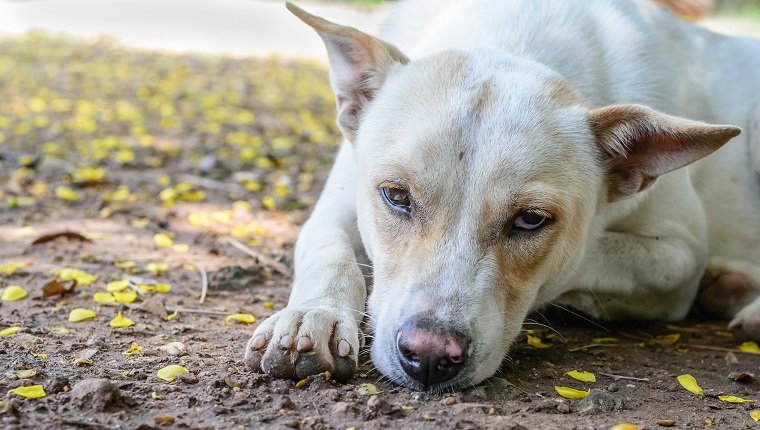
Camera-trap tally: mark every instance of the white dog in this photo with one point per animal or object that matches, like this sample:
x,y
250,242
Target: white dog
x,y
502,155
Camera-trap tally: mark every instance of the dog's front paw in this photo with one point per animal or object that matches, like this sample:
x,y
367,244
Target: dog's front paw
x,y
296,343
747,320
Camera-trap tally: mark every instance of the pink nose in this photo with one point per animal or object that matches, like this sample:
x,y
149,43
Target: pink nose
x,y
428,355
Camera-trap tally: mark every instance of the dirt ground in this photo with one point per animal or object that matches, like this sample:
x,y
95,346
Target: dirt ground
x,y
168,169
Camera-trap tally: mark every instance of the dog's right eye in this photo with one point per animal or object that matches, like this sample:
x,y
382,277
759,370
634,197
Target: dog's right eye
x,y
397,198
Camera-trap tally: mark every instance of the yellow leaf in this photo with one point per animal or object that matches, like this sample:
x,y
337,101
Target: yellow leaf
x,y
9,331
624,426
667,339
687,381
724,333
169,372
171,316
102,297
302,383
749,346
755,414
140,222
13,293
243,318
734,399
30,392
146,288
269,203
367,389
163,288
163,240
120,321
571,393
66,193
81,314
129,266
40,355
83,278
11,267
89,174
536,342
60,330
157,267
117,286
125,296
605,340
22,374
180,248
581,376
134,349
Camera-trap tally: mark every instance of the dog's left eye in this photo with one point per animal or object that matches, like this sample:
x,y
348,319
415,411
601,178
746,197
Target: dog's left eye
x,y
397,198
529,221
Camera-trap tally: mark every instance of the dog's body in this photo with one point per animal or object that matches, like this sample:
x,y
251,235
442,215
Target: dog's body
x,y
489,176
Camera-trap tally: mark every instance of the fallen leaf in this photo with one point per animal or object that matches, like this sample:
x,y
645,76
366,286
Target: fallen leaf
x,y
605,340
134,349
22,374
367,389
30,392
117,286
55,288
734,399
687,381
163,419
155,306
81,314
571,393
125,296
82,362
624,426
12,293
581,376
121,322
66,193
755,414
163,240
536,342
749,346
157,267
242,318
12,267
302,383
163,288
9,331
102,297
168,373
171,316
406,407
741,376
45,238
83,278
60,330
667,339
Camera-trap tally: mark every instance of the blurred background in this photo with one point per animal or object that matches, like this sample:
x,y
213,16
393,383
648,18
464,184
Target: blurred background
x,y
113,108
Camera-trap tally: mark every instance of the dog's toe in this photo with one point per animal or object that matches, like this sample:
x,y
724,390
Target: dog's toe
x,y
296,343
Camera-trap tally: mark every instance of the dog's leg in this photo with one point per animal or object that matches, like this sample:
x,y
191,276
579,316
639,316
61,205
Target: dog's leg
x,y
319,329
731,289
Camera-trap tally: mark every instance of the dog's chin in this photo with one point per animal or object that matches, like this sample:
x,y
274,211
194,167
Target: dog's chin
x,y
479,370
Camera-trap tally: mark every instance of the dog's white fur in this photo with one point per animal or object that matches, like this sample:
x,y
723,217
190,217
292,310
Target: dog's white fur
x,y
495,107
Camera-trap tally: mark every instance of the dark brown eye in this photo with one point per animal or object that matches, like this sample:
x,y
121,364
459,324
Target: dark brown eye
x,y
397,199
529,221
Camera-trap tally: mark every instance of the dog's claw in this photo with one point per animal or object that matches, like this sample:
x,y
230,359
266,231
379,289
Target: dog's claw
x,y
296,343
304,344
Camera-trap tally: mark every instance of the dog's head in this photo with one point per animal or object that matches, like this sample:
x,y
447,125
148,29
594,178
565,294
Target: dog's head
x,y
480,177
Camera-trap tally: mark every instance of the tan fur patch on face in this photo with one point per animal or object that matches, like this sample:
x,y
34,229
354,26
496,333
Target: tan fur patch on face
x,y
561,92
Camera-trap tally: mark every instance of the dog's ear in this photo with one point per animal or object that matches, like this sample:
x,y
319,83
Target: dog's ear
x,y
640,144
359,64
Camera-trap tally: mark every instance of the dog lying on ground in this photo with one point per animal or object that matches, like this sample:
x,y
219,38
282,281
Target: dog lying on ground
x,y
503,155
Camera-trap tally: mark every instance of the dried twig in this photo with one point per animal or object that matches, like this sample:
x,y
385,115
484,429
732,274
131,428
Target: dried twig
x,y
717,348
261,258
617,377
204,283
594,345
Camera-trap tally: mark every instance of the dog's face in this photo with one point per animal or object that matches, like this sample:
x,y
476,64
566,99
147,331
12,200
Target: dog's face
x,y
481,178
478,181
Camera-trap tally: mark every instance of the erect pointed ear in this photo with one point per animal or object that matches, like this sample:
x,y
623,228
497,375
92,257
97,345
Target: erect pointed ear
x,y
359,64
641,144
